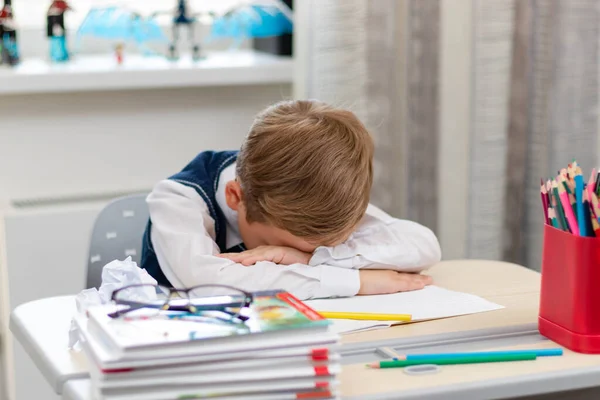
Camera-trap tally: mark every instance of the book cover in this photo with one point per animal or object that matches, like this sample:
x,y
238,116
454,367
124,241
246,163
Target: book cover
x,y
273,313
316,347
277,310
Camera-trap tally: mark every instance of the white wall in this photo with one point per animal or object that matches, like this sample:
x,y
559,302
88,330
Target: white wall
x,y
3,319
74,144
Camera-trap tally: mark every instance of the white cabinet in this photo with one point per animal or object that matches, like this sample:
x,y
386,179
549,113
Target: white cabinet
x,y
46,253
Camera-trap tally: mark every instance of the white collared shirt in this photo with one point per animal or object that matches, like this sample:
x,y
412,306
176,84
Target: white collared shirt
x,y
183,236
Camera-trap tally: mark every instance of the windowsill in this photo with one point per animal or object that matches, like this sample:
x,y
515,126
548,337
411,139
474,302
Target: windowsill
x,y
101,73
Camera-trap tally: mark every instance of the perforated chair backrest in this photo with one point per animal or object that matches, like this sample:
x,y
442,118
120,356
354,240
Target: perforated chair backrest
x,y
117,234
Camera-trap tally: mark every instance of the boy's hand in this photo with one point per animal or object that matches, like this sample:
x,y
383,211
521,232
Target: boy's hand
x,y
387,281
277,254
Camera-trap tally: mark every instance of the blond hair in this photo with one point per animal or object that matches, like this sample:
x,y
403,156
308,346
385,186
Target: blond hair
x,y
306,167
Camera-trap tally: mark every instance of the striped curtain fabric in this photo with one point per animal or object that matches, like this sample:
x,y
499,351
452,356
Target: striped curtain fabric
x,y
533,101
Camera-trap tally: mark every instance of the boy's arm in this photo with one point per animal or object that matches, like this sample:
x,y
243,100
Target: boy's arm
x,y
383,242
182,236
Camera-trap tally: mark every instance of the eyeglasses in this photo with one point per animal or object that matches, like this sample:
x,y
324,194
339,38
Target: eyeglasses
x,y
220,302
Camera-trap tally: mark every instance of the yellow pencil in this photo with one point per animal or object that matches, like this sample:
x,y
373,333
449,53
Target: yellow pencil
x,y
366,316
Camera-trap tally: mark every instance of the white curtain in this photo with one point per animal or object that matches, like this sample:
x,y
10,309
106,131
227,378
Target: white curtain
x,y
532,94
355,58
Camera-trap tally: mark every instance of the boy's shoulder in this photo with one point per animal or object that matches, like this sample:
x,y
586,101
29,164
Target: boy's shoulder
x,y
210,157
203,172
209,162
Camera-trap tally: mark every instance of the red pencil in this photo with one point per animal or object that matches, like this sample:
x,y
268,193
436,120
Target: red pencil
x,y
544,195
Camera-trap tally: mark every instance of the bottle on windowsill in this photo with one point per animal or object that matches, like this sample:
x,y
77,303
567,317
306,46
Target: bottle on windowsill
x,y
9,50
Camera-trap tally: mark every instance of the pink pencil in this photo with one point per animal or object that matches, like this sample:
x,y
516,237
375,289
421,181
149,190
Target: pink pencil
x,y
591,184
564,199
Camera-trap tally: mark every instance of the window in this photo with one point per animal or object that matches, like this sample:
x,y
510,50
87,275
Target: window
x,y
32,13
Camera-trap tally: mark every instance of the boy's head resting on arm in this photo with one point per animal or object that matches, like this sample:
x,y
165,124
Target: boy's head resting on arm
x,y
304,176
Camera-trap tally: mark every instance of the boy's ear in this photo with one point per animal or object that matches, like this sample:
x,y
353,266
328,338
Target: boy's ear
x,y
233,194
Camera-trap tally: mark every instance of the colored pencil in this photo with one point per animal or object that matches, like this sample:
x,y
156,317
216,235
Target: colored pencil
x,y
571,169
552,217
581,220
570,177
471,359
595,206
563,178
570,196
572,221
596,227
566,185
366,316
588,215
544,195
572,204
591,186
558,207
589,227
538,352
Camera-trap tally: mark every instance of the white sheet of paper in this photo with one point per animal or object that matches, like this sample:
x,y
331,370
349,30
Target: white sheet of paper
x,y
430,303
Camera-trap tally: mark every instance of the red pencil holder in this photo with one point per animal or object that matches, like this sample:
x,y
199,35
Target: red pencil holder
x,y
570,293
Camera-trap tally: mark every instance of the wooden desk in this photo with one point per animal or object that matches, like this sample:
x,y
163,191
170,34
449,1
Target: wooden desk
x,y
510,285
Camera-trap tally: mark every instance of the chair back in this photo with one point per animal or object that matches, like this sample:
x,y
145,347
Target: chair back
x,y
117,234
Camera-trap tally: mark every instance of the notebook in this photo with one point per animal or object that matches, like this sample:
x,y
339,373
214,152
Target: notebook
x,y
247,360
192,377
432,302
284,350
240,390
275,316
308,346
139,377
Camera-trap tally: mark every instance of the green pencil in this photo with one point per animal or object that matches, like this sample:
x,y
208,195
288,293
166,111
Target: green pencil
x,y
559,210
472,359
552,217
566,186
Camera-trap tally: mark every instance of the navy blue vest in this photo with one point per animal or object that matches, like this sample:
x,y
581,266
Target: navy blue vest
x,y
201,174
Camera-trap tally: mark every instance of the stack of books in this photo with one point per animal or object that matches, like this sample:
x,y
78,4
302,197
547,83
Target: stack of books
x,y
283,351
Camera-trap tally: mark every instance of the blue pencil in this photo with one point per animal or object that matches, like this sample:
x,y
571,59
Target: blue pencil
x,y
538,352
579,200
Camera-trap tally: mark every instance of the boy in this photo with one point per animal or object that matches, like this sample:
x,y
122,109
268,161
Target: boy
x,y
289,211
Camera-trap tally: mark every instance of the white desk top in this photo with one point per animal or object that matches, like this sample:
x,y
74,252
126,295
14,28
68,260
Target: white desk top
x,y
512,286
475,382
77,389
42,328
